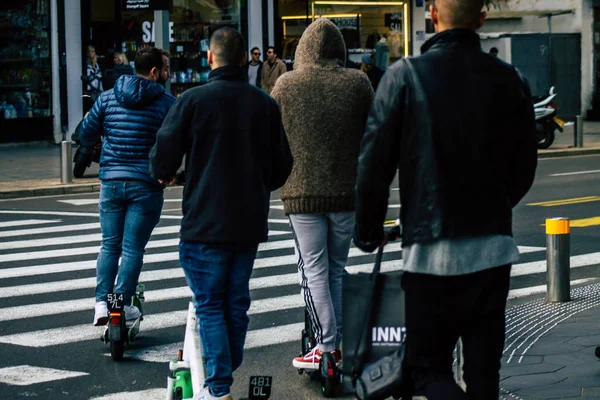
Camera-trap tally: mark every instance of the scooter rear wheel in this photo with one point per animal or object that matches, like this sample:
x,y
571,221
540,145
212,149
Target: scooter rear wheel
x,y
545,139
329,375
117,348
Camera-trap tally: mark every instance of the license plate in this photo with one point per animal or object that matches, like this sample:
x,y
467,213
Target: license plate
x,y
260,387
115,302
559,121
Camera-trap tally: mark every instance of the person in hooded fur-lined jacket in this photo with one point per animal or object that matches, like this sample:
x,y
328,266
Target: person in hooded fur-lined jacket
x,y
324,107
128,117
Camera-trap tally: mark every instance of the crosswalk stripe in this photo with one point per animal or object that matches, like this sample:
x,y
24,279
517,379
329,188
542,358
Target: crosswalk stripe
x,y
52,229
26,375
66,306
254,339
87,202
537,267
80,333
166,274
66,240
37,255
528,291
26,222
149,394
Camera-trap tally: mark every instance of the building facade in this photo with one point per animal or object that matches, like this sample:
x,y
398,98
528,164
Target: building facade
x,y
43,43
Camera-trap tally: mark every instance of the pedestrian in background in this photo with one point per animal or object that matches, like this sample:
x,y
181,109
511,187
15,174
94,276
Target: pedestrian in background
x,y
93,77
325,128
373,73
272,69
128,118
121,67
461,171
236,154
254,67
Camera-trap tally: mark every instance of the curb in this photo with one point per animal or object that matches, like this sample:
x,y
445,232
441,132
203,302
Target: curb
x,y
568,152
51,191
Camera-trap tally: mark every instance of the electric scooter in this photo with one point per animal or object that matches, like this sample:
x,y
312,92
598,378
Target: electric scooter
x,y
187,373
329,374
118,332
546,120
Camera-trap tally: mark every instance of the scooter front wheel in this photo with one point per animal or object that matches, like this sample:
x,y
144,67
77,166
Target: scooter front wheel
x,y
117,348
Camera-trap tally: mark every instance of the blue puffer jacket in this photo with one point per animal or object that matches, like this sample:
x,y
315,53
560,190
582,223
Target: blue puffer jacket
x,y
128,118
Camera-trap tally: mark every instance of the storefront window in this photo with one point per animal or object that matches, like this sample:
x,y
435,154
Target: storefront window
x,y
379,28
25,67
192,23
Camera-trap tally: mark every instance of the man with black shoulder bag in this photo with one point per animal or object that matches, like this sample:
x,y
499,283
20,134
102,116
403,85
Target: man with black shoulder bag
x,y
461,172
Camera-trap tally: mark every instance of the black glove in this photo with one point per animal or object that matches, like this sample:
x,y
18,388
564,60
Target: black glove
x,y
366,238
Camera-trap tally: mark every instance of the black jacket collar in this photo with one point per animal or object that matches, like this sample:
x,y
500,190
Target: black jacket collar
x,y
452,37
227,73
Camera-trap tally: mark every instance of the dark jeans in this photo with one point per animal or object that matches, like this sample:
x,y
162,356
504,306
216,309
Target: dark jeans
x,y
439,310
220,281
129,211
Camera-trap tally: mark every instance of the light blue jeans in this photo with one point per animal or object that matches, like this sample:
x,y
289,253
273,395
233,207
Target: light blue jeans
x,y
322,246
129,211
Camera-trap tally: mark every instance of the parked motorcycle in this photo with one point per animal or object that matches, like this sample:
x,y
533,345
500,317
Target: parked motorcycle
x,y
83,161
546,119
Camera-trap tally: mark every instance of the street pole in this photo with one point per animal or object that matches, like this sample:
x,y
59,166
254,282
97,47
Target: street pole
x,y
579,131
66,165
558,268
162,32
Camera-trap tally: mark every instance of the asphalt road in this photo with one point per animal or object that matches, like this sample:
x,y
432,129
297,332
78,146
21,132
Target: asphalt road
x,y
48,248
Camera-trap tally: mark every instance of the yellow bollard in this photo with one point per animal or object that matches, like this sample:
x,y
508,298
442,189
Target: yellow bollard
x,y
558,259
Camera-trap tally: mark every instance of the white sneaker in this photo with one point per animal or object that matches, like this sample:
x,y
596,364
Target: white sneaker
x,y
205,395
131,313
100,314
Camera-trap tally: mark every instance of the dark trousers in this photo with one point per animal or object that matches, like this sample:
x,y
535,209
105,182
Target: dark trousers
x,y
439,310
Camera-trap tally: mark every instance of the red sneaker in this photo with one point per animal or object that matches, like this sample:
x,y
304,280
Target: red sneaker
x,y
309,361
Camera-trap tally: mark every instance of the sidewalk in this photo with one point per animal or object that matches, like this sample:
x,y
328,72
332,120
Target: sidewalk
x,y
34,170
549,348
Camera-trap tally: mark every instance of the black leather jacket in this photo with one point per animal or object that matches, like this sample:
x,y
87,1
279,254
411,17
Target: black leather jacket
x,y
459,126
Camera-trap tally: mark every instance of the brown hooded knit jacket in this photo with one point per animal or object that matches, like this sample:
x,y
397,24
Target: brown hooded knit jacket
x,y
324,108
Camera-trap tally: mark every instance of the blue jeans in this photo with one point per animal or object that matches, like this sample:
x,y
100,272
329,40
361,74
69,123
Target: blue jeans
x,y
129,211
220,281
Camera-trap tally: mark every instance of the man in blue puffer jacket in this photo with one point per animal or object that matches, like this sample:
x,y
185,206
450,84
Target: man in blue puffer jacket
x,y
128,118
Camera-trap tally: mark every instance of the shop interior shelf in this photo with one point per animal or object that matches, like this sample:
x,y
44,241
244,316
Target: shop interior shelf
x,y
16,60
15,85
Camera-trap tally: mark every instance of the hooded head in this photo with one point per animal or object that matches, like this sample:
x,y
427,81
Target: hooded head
x,y
321,44
133,91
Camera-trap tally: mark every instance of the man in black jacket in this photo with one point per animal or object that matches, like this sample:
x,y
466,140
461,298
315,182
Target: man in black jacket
x,y
461,171
253,67
236,154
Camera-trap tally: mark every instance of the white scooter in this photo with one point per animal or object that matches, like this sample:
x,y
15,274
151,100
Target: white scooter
x,y
546,120
187,372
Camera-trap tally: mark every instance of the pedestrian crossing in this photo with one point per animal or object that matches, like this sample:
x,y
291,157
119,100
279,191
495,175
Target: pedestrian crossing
x,y
47,268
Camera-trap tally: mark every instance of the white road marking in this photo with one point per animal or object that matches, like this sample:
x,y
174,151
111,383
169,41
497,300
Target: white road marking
x,y
577,173
171,273
530,249
87,202
80,333
524,292
25,375
52,229
37,255
254,339
537,267
70,214
25,222
149,394
66,240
